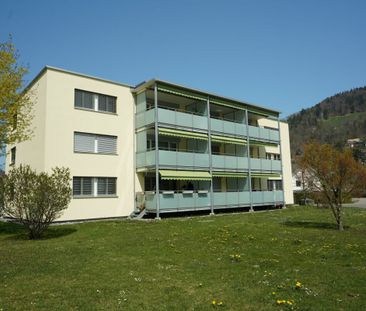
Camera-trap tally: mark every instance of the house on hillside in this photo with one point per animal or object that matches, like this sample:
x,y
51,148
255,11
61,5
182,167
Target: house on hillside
x,y
157,147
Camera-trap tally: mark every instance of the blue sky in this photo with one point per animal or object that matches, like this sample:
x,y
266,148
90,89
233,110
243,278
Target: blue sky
x,y
283,54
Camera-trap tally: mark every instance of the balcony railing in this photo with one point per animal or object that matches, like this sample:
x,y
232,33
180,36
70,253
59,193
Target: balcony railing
x,y
228,127
177,118
263,133
194,159
229,162
173,158
176,201
191,120
265,164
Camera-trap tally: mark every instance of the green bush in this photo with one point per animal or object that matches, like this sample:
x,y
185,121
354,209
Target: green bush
x,y
35,200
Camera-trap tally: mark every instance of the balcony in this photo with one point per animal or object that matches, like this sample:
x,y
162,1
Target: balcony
x,y
194,121
191,159
264,164
230,199
263,133
173,158
179,201
173,117
229,162
267,197
228,127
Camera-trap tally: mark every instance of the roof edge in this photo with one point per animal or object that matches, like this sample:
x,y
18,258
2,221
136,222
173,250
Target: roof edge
x,y
45,68
151,82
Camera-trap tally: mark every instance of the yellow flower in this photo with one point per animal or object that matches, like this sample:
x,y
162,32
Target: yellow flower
x,y
273,293
298,285
220,303
214,302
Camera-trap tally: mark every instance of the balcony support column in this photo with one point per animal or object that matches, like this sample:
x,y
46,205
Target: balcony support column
x,y
157,186
210,155
280,148
249,164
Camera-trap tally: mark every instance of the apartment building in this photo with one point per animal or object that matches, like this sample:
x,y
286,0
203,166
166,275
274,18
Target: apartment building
x,y
154,148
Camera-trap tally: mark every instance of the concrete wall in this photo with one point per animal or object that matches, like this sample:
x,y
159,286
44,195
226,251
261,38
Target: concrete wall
x,y
32,151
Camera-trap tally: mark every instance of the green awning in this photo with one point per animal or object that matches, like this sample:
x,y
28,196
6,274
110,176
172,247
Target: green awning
x,y
230,174
182,93
260,112
227,104
184,175
228,140
254,142
264,175
180,133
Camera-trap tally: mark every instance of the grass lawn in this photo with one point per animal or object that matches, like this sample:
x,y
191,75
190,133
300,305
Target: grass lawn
x,y
186,263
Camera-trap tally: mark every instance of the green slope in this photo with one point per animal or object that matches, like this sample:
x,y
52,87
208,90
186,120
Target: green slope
x,y
332,121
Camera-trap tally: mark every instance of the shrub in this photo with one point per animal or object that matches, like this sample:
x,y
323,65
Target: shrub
x,y
35,200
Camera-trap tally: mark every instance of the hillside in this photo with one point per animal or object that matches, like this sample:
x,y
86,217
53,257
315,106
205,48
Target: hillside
x,y
332,121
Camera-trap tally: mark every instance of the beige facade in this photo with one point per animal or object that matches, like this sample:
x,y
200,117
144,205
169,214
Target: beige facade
x,y
284,150
56,120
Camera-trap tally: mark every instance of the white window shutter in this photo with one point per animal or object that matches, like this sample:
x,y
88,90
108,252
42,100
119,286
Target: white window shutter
x,y
84,142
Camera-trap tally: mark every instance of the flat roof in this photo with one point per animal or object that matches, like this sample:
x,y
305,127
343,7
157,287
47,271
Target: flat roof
x,y
144,85
151,82
45,68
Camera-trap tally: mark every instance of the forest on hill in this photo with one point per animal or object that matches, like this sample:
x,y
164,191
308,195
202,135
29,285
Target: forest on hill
x,y
332,121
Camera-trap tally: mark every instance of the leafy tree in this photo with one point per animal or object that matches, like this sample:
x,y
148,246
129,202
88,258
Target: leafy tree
x,y
35,200
15,105
334,174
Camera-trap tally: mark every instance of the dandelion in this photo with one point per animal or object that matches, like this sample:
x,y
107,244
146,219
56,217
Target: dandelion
x,y
298,285
235,257
214,302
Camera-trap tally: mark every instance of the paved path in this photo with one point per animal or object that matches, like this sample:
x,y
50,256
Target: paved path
x,y
357,202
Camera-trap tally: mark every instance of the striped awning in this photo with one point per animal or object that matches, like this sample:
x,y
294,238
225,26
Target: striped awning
x,y
264,175
230,174
227,104
254,142
228,140
180,133
182,93
184,175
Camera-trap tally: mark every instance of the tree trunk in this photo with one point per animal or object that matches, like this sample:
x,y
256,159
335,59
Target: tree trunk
x,y
339,217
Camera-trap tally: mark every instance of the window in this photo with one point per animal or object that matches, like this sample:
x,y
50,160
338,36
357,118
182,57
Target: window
x,y
94,143
95,101
273,156
106,186
298,183
82,186
94,186
235,184
13,152
274,185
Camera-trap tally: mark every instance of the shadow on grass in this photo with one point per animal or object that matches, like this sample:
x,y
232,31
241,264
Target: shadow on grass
x,y
10,228
17,231
312,225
